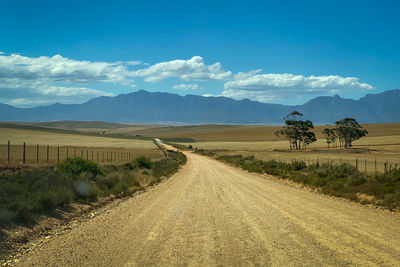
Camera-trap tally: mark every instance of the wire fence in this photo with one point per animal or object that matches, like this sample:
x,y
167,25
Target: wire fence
x,y
17,154
363,164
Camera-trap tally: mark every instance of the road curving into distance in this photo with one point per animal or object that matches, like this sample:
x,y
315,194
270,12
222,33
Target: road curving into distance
x,y
211,214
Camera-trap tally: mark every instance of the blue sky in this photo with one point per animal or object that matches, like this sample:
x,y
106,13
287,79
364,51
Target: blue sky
x,y
270,51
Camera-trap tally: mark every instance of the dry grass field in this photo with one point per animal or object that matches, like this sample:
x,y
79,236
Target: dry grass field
x,y
97,148
247,132
43,137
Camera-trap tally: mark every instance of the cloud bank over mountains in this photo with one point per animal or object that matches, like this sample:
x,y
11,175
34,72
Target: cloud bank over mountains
x,y
32,81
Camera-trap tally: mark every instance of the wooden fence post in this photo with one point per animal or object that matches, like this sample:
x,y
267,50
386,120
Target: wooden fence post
x,y
81,153
87,154
23,154
67,153
75,153
92,155
47,153
375,166
37,153
58,155
356,163
97,157
8,153
111,156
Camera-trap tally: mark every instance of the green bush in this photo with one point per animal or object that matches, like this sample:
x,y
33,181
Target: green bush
x,y
76,166
30,191
164,167
144,162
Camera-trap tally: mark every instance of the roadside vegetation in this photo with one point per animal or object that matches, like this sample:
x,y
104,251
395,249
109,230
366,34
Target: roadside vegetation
x,y
341,180
29,192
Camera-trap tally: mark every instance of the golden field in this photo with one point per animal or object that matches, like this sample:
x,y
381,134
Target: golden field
x,y
43,137
63,145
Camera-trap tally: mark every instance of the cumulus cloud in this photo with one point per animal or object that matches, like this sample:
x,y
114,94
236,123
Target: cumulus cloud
x,y
23,78
268,87
61,69
185,86
193,69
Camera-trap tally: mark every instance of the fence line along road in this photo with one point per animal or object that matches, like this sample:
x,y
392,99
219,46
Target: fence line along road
x,y
16,154
361,163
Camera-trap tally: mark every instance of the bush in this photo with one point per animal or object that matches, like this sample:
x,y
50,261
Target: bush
x,y
30,191
164,167
144,162
76,166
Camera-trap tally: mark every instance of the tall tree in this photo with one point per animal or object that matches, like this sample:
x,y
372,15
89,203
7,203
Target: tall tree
x,y
298,132
349,130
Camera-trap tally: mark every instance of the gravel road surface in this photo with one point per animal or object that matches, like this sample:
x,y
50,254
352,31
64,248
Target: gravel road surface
x,y
212,214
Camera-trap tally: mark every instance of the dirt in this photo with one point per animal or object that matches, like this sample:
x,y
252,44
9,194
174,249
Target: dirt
x,y
212,214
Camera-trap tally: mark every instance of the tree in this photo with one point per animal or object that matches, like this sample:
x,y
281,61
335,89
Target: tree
x,y
297,132
330,135
349,130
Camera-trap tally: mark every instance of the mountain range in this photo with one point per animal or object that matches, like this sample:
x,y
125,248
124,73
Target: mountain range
x,y
158,107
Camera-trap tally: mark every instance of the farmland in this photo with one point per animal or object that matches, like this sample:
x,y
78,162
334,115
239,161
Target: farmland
x,y
63,144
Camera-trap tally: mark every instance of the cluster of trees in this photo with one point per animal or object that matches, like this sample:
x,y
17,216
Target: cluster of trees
x,y
346,131
300,133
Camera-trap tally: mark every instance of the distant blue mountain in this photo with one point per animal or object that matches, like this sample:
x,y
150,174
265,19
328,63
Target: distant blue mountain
x,y
146,107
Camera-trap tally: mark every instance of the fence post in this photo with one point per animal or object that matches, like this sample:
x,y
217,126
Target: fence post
x,y
67,153
92,155
97,157
47,154
375,166
356,163
111,156
9,150
23,154
87,154
75,153
58,155
103,156
81,153
37,153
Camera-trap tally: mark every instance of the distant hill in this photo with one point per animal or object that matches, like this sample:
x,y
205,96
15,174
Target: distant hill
x,y
146,107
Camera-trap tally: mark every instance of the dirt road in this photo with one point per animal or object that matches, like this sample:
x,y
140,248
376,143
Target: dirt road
x,y
213,214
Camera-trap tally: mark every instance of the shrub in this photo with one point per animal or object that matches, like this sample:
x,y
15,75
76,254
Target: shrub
x,y
144,162
164,167
30,191
76,166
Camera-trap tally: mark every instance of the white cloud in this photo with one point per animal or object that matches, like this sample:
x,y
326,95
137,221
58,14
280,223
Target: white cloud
x,y
23,78
185,86
192,69
268,87
61,69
